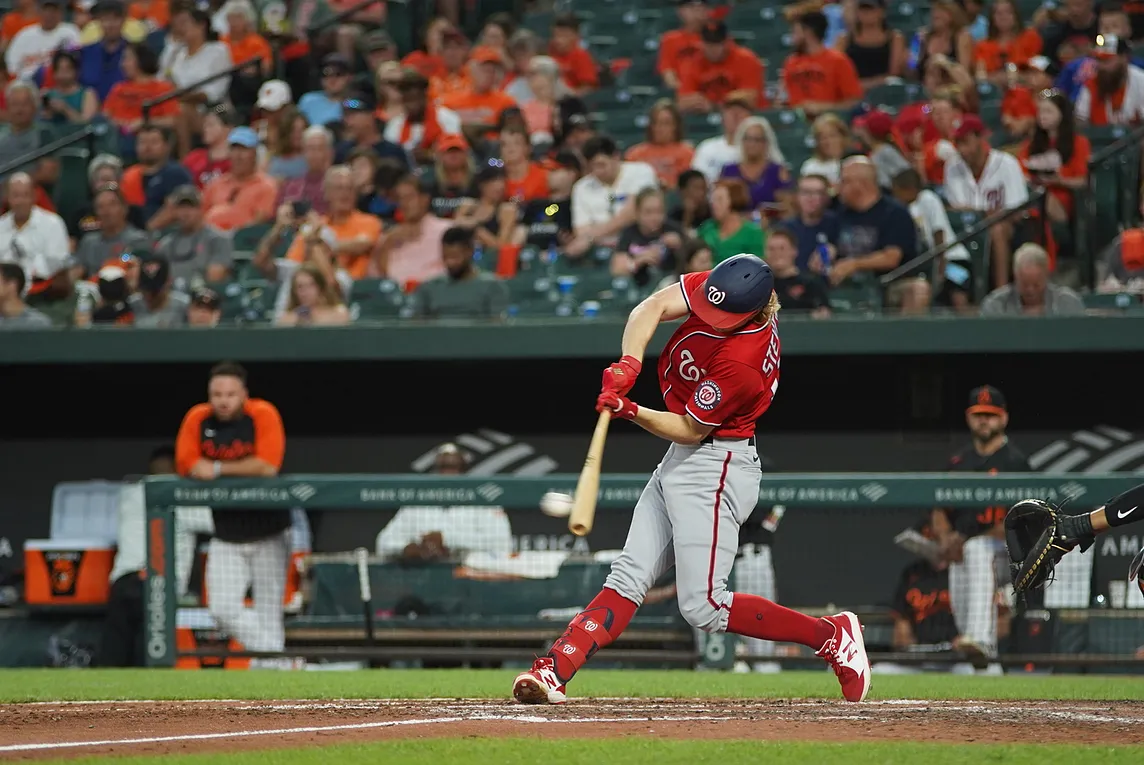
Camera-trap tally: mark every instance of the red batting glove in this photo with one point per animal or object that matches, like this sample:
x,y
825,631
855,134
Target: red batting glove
x,y
621,376
618,405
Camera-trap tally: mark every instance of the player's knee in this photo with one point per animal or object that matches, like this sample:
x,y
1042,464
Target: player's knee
x,y
625,582
700,614
225,610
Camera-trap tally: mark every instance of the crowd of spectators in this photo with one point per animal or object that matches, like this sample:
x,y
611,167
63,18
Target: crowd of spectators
x,y
459,167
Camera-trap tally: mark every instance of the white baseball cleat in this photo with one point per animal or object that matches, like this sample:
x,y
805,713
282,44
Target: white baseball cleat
x,y
539,685
846,653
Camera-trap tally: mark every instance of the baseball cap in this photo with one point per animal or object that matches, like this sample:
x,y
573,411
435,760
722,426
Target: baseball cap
x,y
154,274
205,297
484,54
115,7
358,102
274,95
970,124
714,32
243,136
376,40
734,291
335,64
452,141
876,122
986,400
1110,46
186,194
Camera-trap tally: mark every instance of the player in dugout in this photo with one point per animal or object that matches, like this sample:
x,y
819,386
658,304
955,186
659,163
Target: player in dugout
x,y
236,436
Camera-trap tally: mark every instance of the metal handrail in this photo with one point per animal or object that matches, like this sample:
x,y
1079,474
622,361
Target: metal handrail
x,y
87,132
151,104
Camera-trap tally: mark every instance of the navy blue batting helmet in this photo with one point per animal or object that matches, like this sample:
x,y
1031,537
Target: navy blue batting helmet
x,y
734,291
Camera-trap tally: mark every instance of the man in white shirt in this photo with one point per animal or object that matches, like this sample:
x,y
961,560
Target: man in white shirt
x,y
439,533
954,280
604,201
985,180
1115,94
33,46
712,154
31,237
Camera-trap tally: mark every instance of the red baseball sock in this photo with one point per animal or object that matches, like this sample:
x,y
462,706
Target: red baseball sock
x,y
593,628
757,617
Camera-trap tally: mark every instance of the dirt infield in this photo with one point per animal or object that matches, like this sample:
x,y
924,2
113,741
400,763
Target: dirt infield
x,y
32,731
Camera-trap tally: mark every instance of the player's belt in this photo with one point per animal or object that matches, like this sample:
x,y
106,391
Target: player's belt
x,y
711,439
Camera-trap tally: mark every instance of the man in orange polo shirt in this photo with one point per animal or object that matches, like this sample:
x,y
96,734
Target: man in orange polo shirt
x,y
243,196
721,68
679,46
480,105
818,79
577,67
348,234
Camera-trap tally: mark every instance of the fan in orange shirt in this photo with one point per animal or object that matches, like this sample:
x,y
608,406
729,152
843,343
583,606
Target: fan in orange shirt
x,y
1056,157
481,103
155,13
1019,105
680,45
1009,42
665,150
721,68
818,79
25,14
524,179
454,75
428,60
349,234
577,66
243,39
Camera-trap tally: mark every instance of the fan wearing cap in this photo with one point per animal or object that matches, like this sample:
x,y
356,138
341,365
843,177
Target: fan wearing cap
x,y
156,303
1122,264
1112,21
454,74
244,195
421,123
322,107
195,251
33,46
363,130
876,129
205,309
377,48
113,289
115,235
985,180
1115,94
817,78
718,373
971,539
721,68
577,67
678,46
480,104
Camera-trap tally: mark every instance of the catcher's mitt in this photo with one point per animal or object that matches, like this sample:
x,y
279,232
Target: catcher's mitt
x,y
1038,535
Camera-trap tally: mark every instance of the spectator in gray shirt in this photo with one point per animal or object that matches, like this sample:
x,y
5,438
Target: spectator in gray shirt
x,y
23,134
876,128
115,236
197,253
1031,293
155,304
463,291
14,312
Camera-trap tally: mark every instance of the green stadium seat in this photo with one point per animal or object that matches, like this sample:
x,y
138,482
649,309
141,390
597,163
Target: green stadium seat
x,y
246,239
376,299
1118,301
856,298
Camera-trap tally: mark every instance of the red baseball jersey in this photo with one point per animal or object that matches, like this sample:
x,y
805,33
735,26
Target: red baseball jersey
x,y
723,380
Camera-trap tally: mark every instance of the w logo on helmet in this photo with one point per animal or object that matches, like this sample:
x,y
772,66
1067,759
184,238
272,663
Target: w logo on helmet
x,y
715,296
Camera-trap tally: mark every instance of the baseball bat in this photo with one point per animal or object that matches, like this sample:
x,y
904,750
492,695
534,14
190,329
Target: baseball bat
x,y
588,487
366,592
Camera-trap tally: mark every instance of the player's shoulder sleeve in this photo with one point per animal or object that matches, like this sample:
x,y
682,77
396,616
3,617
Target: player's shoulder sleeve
x,y
269,434
688,283
724,386
188,443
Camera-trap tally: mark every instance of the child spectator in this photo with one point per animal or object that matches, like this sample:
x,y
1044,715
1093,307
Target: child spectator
x,y
665,150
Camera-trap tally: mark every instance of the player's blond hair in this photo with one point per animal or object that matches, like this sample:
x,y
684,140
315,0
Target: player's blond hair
x,y
772,307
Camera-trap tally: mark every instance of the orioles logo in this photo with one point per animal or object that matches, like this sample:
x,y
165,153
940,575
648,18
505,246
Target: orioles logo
x,y
64,571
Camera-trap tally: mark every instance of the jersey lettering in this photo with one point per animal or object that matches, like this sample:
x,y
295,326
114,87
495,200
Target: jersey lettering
x,y
771,361
688,369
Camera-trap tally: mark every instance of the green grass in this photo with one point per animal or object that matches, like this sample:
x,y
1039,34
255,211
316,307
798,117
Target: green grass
x,y
508,751
93,685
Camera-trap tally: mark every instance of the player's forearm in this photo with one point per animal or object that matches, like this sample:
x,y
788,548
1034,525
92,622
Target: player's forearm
x,y
642,323
247,467
677,428
1119,511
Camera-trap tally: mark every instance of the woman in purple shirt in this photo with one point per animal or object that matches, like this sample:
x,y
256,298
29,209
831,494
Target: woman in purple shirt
x,y
761,167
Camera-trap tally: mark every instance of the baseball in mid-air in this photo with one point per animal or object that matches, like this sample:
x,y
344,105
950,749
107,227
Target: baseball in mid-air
x,y
556,504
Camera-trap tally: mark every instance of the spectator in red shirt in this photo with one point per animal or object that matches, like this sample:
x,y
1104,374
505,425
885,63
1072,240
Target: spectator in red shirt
x,y
576,64
213,159
1019,106
679,46
818,79
721,68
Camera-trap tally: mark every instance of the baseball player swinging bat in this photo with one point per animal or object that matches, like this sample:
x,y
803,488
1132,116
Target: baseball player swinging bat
x,y
588,486
718,374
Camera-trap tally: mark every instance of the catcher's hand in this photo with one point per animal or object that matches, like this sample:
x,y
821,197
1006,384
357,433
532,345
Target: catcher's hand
x,y
1038,535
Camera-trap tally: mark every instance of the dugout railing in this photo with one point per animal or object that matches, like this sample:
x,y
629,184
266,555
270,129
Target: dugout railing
x,y
663,640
